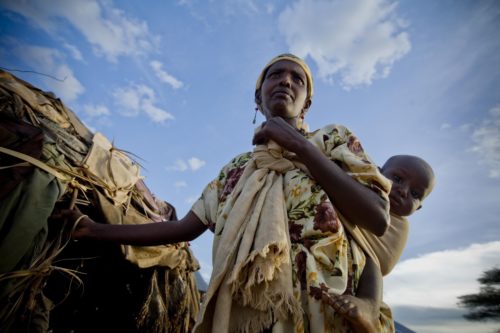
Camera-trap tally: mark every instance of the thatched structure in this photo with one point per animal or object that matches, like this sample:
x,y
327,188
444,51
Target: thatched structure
x,y
49,159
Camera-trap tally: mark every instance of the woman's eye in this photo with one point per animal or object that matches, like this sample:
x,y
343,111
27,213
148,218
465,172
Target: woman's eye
x,y
415,195
396,179
299,80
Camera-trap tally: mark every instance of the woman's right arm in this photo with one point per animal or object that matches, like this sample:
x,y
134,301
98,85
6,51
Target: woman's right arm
x,y
148,234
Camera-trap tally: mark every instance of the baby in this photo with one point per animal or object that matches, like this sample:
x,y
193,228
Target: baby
x,y
412,181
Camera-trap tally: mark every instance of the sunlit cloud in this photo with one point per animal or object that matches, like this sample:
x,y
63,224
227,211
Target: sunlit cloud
x,y
445,126
164,76
138,98
448,274
358,40
73,51
49,61
110,32
180,184
270,8
439,320
486,138
193,164
96,110
179,165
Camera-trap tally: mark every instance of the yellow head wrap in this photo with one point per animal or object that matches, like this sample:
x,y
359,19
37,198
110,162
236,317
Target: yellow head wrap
x,y
295,59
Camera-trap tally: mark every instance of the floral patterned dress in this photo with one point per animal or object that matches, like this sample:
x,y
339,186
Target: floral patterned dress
x,y
323,255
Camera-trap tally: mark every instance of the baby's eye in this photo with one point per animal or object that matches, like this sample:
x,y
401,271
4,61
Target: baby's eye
x,y
415,195
396,179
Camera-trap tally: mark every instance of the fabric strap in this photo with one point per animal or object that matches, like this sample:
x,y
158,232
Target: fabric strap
x,y
36,163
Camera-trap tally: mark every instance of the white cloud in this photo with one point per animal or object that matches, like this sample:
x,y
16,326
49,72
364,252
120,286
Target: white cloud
x,y
437,279
138,97
193,164
96,110
74,51
179,165
164,76
359,40
51,62
106,28
445,126
156,114
439,320
180,183
270,8
486,138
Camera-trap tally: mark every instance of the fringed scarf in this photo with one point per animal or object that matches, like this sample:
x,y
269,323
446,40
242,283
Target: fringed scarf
x,y
251,285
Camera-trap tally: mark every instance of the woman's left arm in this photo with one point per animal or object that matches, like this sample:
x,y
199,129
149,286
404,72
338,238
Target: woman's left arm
x,y
356,202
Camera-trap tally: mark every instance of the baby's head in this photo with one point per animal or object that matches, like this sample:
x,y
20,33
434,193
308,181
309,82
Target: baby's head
x,y
412,181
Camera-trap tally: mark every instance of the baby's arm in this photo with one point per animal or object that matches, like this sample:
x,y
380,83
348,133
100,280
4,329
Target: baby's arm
x,y
362,310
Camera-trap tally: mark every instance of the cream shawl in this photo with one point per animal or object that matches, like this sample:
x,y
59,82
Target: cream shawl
x,y
251,284
385,250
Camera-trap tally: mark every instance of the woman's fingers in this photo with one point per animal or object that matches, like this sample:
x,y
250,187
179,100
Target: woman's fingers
x,y
260,138
62,215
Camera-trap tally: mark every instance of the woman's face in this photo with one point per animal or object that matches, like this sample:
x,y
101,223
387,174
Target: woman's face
x,y
284,91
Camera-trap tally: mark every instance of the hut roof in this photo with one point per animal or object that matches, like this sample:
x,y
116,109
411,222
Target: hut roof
x,y
49,159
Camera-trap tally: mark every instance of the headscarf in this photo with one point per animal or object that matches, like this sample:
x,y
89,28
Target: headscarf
x,y
295,59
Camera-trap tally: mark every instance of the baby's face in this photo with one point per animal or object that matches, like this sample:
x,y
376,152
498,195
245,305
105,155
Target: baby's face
x,y
411,183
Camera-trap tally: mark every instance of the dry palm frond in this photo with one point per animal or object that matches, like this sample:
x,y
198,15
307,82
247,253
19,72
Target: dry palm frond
x,y
171,304
154,312
26,284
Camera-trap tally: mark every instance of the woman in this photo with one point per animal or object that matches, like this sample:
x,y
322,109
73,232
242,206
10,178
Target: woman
x,y
279,243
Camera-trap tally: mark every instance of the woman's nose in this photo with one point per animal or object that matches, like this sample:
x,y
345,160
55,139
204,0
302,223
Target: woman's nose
x,y
286,80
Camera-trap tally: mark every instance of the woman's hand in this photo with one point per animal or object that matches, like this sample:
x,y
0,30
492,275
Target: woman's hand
x,y
279,131
81,225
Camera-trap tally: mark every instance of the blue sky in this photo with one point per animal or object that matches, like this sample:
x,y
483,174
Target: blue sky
x,y
173,82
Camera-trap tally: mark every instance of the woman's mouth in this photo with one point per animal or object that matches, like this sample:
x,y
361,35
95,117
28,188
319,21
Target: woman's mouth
x,y
282,94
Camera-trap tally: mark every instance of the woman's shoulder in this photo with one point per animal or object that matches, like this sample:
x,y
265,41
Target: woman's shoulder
x,y
238,161
333,129
333,134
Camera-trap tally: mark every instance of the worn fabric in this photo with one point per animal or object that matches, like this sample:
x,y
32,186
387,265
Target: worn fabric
x,y
113,169
172,256
23,218
387,249
34,98
21,137
24,213
322,255
252,267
